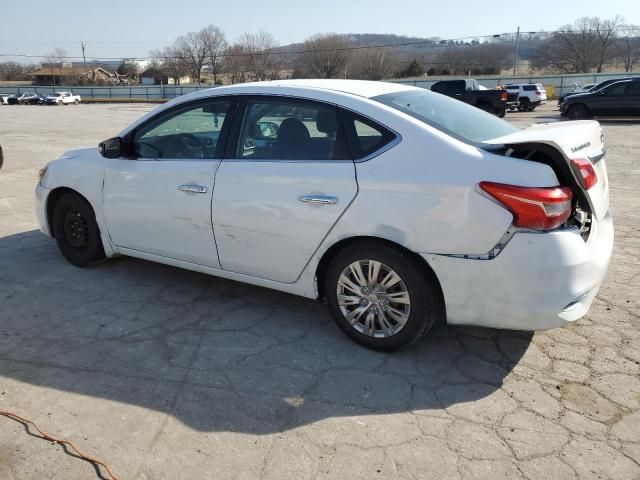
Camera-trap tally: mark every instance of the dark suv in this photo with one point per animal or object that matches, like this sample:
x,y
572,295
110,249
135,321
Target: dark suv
x,y
618,98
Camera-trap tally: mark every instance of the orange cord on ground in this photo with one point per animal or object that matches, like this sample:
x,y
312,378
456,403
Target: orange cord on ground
x,y
59,441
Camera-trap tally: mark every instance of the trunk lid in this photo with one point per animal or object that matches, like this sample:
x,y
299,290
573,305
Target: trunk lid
x,y
577,139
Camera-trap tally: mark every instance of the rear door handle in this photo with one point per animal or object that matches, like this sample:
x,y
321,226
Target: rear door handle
x,y
192,188
319,199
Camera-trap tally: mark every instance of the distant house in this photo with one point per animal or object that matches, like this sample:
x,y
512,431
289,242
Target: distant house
x,y
154,76
66,75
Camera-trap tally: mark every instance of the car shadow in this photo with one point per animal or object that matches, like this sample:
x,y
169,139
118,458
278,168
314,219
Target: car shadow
x,y
216,354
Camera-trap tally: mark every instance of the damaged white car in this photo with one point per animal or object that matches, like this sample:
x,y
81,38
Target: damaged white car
x,y
398,206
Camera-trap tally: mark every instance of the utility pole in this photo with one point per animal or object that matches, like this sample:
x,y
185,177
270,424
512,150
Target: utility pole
x,y
515,54
84,59
346,56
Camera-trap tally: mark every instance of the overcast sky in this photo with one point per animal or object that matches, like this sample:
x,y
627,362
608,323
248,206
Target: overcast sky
x,y
130,28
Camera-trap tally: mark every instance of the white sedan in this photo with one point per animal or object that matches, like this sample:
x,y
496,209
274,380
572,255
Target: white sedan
x,y
400,207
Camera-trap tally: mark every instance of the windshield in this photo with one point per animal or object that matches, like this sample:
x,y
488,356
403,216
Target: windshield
x,y
462,121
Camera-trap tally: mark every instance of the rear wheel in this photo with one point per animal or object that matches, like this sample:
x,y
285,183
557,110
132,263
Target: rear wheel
x,y
76,230
578,112
487,108
379,297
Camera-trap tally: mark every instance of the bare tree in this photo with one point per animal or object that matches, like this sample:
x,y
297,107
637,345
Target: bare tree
x,y
193,52
261,62
372,63
583,46
170,62
324,56
236,63
215,44
628,46
13,71
605,31
56,60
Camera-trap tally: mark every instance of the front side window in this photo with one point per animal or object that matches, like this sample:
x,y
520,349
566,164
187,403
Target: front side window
x,y
192,132
464,122
288,130
633,88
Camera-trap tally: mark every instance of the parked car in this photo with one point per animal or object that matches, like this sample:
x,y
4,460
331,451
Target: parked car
x,y
468,91
398,206
618,98
530,95
593,88
62,98
4,97
32,99
16,98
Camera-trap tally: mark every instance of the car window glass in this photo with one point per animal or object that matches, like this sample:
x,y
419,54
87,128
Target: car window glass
x,y
189,133
366,136
633,88
462,121
288,130
529,88
616,89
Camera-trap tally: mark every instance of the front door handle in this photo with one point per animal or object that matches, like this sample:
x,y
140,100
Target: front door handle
x,y
192,188
319,199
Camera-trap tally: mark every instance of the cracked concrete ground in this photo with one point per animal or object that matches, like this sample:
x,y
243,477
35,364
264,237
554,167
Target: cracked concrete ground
x,y
165,373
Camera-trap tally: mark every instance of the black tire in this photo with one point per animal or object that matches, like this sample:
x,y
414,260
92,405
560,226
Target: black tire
x,y
524,105
487,108
578,112
76,102
421,287
76,231
502,113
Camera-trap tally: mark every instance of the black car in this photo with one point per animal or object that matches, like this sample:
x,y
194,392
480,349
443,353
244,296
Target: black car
x,y
594,88
618,98
15,98
469,91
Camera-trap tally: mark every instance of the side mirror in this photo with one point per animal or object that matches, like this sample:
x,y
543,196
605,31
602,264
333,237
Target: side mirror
x,y
603,92
268,129
111,148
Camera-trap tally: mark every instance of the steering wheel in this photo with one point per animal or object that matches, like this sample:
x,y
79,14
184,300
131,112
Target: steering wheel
x,y
187,144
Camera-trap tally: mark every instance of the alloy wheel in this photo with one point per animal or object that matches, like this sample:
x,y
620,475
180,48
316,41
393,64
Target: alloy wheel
x,y
373,298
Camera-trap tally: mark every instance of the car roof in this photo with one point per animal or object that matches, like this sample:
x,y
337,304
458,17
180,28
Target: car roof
x,y
361,88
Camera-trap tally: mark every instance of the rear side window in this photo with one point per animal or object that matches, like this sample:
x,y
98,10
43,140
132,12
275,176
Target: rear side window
x,y
365,136
530,88
633,88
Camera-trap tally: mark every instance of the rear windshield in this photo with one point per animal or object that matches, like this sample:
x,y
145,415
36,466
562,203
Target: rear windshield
x,y
453,117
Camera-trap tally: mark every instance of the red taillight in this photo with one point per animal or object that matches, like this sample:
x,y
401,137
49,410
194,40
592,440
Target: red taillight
x,y
504,96
538,92
540,208
585,172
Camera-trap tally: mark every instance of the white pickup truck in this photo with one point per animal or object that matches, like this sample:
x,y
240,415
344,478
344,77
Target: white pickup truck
x,y
62,98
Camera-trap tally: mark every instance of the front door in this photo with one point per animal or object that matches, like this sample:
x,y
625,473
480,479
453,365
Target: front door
x,y
610,100
159,201
288,183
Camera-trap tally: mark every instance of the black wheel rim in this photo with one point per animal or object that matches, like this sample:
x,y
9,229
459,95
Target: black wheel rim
x,y
76,229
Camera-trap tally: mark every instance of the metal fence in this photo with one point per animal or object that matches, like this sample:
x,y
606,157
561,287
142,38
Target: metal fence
x,y
561,83
150,92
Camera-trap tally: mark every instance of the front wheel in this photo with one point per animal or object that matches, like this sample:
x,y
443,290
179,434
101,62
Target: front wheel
x,y
76,230
577,112
76,102
379,297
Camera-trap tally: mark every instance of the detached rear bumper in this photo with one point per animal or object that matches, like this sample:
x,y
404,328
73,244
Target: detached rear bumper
x,y
539,281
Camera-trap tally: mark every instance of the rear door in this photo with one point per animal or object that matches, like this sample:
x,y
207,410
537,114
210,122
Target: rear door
x,y
283,186
633,98
611,100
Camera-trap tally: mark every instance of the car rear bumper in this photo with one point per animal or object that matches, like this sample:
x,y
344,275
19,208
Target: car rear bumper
x,y
41,209
539,280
